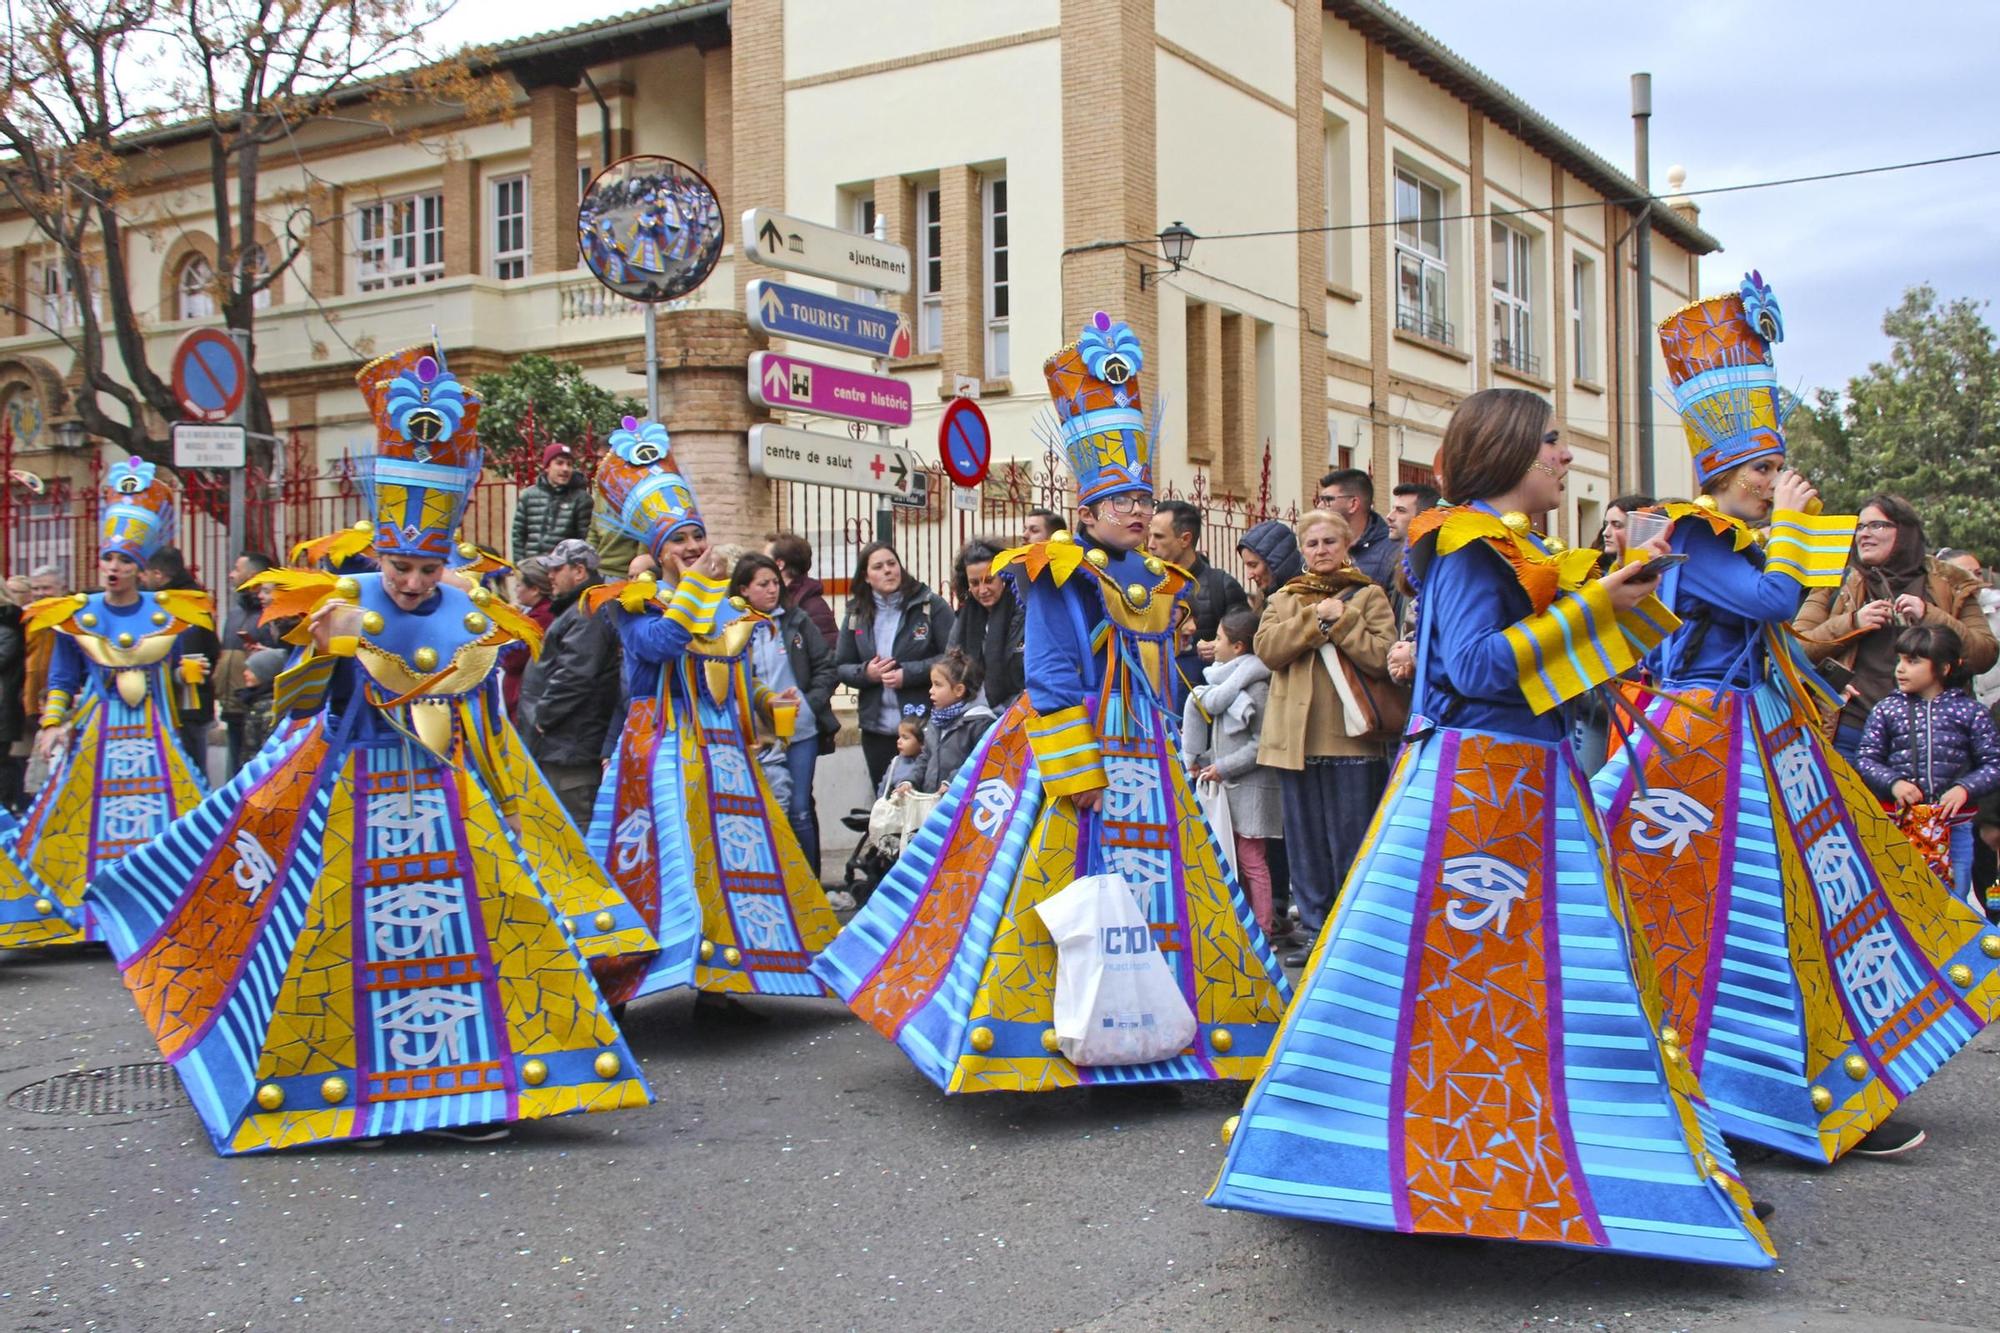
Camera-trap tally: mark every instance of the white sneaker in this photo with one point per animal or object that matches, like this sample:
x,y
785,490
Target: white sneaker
x,y
470,1133
840,900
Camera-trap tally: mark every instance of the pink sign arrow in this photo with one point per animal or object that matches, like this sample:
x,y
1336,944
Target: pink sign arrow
x,y
796,385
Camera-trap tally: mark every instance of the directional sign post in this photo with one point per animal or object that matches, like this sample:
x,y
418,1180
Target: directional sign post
x,y
799,246
784,454
209,375
793,312
795,385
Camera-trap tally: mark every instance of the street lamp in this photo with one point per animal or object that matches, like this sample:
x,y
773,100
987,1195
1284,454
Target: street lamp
x,y
70,432
1176,244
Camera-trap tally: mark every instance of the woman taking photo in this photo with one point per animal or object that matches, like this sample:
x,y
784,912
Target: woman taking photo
x,y
1333,770
990,625
1471,1052
895,629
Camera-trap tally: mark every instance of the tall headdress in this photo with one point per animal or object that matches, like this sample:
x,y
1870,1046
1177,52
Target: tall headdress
x,y
644,496
1100,424
1719,356
427,455
140,515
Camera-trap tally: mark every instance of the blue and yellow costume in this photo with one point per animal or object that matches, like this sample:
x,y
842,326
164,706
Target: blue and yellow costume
x,y
685,821
1476,1046
115,675
948,959
360,935
1814,968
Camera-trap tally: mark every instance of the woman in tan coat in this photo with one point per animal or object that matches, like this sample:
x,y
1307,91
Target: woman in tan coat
x,y
1332,779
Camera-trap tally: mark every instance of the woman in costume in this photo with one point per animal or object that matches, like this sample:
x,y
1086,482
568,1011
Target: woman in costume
x,y
1813,968
110,724
685,821
355,936
1476,1048
1082,776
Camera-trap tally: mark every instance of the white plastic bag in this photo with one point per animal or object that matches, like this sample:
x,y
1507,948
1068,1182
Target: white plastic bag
x,y
1117,1002
1213,798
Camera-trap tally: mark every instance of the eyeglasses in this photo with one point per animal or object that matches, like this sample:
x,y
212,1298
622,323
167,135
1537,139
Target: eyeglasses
x,y
1327,499
1875,525
1131,502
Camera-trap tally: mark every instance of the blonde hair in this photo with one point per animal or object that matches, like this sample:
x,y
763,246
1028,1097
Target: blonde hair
x,y
1322,517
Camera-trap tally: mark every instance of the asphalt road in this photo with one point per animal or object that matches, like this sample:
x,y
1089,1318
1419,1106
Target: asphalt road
x,y
799,1175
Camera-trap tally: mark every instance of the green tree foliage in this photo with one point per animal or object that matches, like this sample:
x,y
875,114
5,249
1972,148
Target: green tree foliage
x,y
1925,425
538,401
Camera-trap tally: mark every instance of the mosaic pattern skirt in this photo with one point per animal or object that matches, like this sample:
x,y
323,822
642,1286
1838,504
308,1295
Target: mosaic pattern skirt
x,y
638,832
1816,969
949,961
123,780
346,941
1474,1050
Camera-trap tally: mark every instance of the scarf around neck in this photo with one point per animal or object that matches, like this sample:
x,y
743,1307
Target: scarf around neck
x,y
1226,693
1329,585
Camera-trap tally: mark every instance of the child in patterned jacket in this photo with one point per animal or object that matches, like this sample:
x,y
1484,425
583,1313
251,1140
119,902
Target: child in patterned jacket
x,y
1930,743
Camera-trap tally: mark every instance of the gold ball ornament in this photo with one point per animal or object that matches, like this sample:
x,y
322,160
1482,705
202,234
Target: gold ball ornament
x,y
1229,1129
476,623
346,588
1960,974
333,1090
87,619
1856,1067
1704,1162
426,658
535,1073
1556,545
707,950
481,597
44,907
1050,1041
740,602
159,617
125,639
1671,1051
1137,595
1516,522
981,1039
1097,558
1060,537
1670,1035
372,622
1990,945
1707,502
363,525
1155,565
732,956
1222,1040
270,1096
1822,1100
607,1064
604,921
467,551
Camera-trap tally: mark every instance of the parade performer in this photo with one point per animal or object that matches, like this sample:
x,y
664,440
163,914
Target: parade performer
x,y
354,937
685,821
115,682
1814,969
1080,777
1476,1047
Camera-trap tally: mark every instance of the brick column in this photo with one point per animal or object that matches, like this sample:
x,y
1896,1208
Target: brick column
x,y
718,142
896,211
964,254
702,399
552,177
1238,452
463,243
326,253
757,114
1110,131
1204,382
1311,451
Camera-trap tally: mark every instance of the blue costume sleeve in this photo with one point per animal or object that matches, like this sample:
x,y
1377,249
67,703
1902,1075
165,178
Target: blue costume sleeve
x,y
65,665
650,637
1063,735
1472,598
1718,575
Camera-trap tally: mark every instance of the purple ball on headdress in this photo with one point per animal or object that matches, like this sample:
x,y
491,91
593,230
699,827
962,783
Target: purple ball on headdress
x,y
427,369
631,423
1102,321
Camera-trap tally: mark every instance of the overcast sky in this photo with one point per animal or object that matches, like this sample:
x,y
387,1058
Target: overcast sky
x,y
1741,92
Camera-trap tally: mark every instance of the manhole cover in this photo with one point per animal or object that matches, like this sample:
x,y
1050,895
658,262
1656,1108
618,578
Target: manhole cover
x,y
117,1090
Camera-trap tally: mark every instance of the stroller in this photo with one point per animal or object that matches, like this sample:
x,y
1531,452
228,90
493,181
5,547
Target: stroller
x,y
885,829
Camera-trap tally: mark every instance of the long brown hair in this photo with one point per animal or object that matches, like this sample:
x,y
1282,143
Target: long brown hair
x,y
861,594
1492,441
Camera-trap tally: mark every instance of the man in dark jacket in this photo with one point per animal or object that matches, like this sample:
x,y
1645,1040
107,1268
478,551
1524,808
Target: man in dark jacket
x,y
1350,493
196,716
554,509
1176,538
570,692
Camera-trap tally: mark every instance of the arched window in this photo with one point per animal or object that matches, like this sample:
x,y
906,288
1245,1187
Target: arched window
x,y
195,291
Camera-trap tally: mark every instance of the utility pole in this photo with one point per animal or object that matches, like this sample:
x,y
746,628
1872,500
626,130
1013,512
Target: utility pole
x,y
1642,301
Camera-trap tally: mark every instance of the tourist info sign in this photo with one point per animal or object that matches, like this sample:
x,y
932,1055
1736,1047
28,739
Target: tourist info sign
x,y
815,317
794,385
782,453
799,246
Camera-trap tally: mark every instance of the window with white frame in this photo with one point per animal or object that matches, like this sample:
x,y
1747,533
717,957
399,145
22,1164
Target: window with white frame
x,y
1583,317
55,295
1512,299
930,270
510,227
864,214
400,242
585,174
1423,304
194,289
999,292
1337,203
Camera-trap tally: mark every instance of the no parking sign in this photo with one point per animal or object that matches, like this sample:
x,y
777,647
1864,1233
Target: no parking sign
x,y
965,442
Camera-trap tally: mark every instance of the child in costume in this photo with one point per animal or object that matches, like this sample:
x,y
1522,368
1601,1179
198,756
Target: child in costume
x,y
1081,776
1931,748
1476,1048
1813,970
356,936
119,774
685,821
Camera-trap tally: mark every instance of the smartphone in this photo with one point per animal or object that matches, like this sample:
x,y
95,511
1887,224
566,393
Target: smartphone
x,y
1659,565
1836,675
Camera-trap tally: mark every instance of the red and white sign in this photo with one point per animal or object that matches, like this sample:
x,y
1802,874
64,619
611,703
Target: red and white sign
x,y
209,375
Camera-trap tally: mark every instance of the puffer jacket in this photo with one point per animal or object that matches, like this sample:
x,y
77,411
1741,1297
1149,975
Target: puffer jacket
x,y
13,672
570,692
545,515
1940,743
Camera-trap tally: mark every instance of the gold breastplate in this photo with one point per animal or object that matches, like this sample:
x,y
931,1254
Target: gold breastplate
x,y
431,712
127,665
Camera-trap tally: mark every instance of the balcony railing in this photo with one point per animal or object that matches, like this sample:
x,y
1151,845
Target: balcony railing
x,y
1516,356
1412,320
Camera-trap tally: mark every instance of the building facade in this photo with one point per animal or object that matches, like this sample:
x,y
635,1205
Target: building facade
x,y
1337,165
